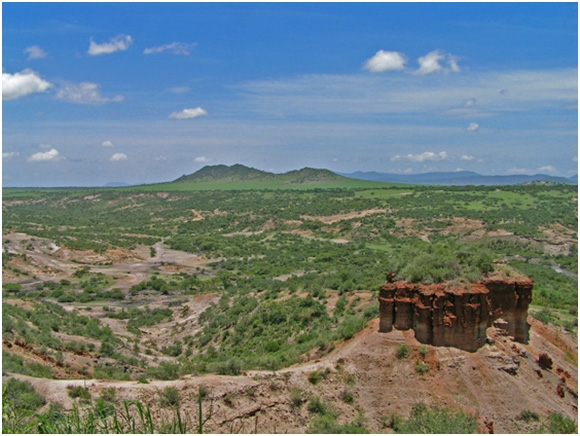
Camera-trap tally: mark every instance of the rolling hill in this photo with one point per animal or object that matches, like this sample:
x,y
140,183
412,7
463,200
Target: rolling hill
x,y
243,177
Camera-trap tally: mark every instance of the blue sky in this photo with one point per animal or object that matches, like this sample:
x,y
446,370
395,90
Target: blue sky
x,y
95,93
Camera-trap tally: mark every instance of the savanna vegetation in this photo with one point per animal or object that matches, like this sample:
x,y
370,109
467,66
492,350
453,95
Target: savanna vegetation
x,y
290,272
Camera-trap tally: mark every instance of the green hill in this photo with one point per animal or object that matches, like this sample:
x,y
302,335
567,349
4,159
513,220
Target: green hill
x,y
223,177
235,173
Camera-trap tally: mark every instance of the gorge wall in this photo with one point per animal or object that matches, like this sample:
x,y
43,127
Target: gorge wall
x,y
456,316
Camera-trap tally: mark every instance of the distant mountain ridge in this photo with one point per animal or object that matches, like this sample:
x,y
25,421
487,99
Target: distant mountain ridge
x,y
458,178
242,173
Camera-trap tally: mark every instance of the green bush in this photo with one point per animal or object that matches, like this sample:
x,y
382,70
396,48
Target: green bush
x,y
317,405
425,420
327,424
22,395
314,377
170,397
528,415
402,351
79,392
347,396
559,424
296,397
421,368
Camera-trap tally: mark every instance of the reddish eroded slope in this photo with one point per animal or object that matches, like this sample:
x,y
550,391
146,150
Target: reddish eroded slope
x,y
497,382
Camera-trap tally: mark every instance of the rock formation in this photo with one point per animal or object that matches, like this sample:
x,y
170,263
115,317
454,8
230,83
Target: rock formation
x,y
456,315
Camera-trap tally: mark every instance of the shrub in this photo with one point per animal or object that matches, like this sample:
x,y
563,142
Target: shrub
x,y
316,405
296,397
22,395
421,367
107,349
560,424
543,315
402,351
435,420
326,424
347,396
528,416
79,392
314,377
170,397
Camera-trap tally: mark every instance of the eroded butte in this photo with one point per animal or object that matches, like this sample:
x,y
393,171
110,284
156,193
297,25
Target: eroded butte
x,y
457,315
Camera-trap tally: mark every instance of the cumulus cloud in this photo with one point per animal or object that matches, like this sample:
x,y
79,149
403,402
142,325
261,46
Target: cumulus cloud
x,y
473,127
470,102
178,48
422,157
85,93
430,63
385,61
10,154
118,43
18,85
107,144
201,159
45,156
466,157
188,113
35,52
118,157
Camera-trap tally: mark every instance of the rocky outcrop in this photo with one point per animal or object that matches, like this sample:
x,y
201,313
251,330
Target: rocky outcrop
x,y
456,315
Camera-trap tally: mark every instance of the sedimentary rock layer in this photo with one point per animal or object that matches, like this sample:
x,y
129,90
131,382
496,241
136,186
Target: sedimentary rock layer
x,y
456,316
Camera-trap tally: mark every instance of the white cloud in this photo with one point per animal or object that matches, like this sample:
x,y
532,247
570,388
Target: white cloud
x,y
118,157
45,156
473,127
466,157
548,169
188,113
85,93
35,52
430,63
385,61
470,103
422,157
10,155
452,62
523,171
178,48
107,144
21,84
320,95
201,159
120,42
